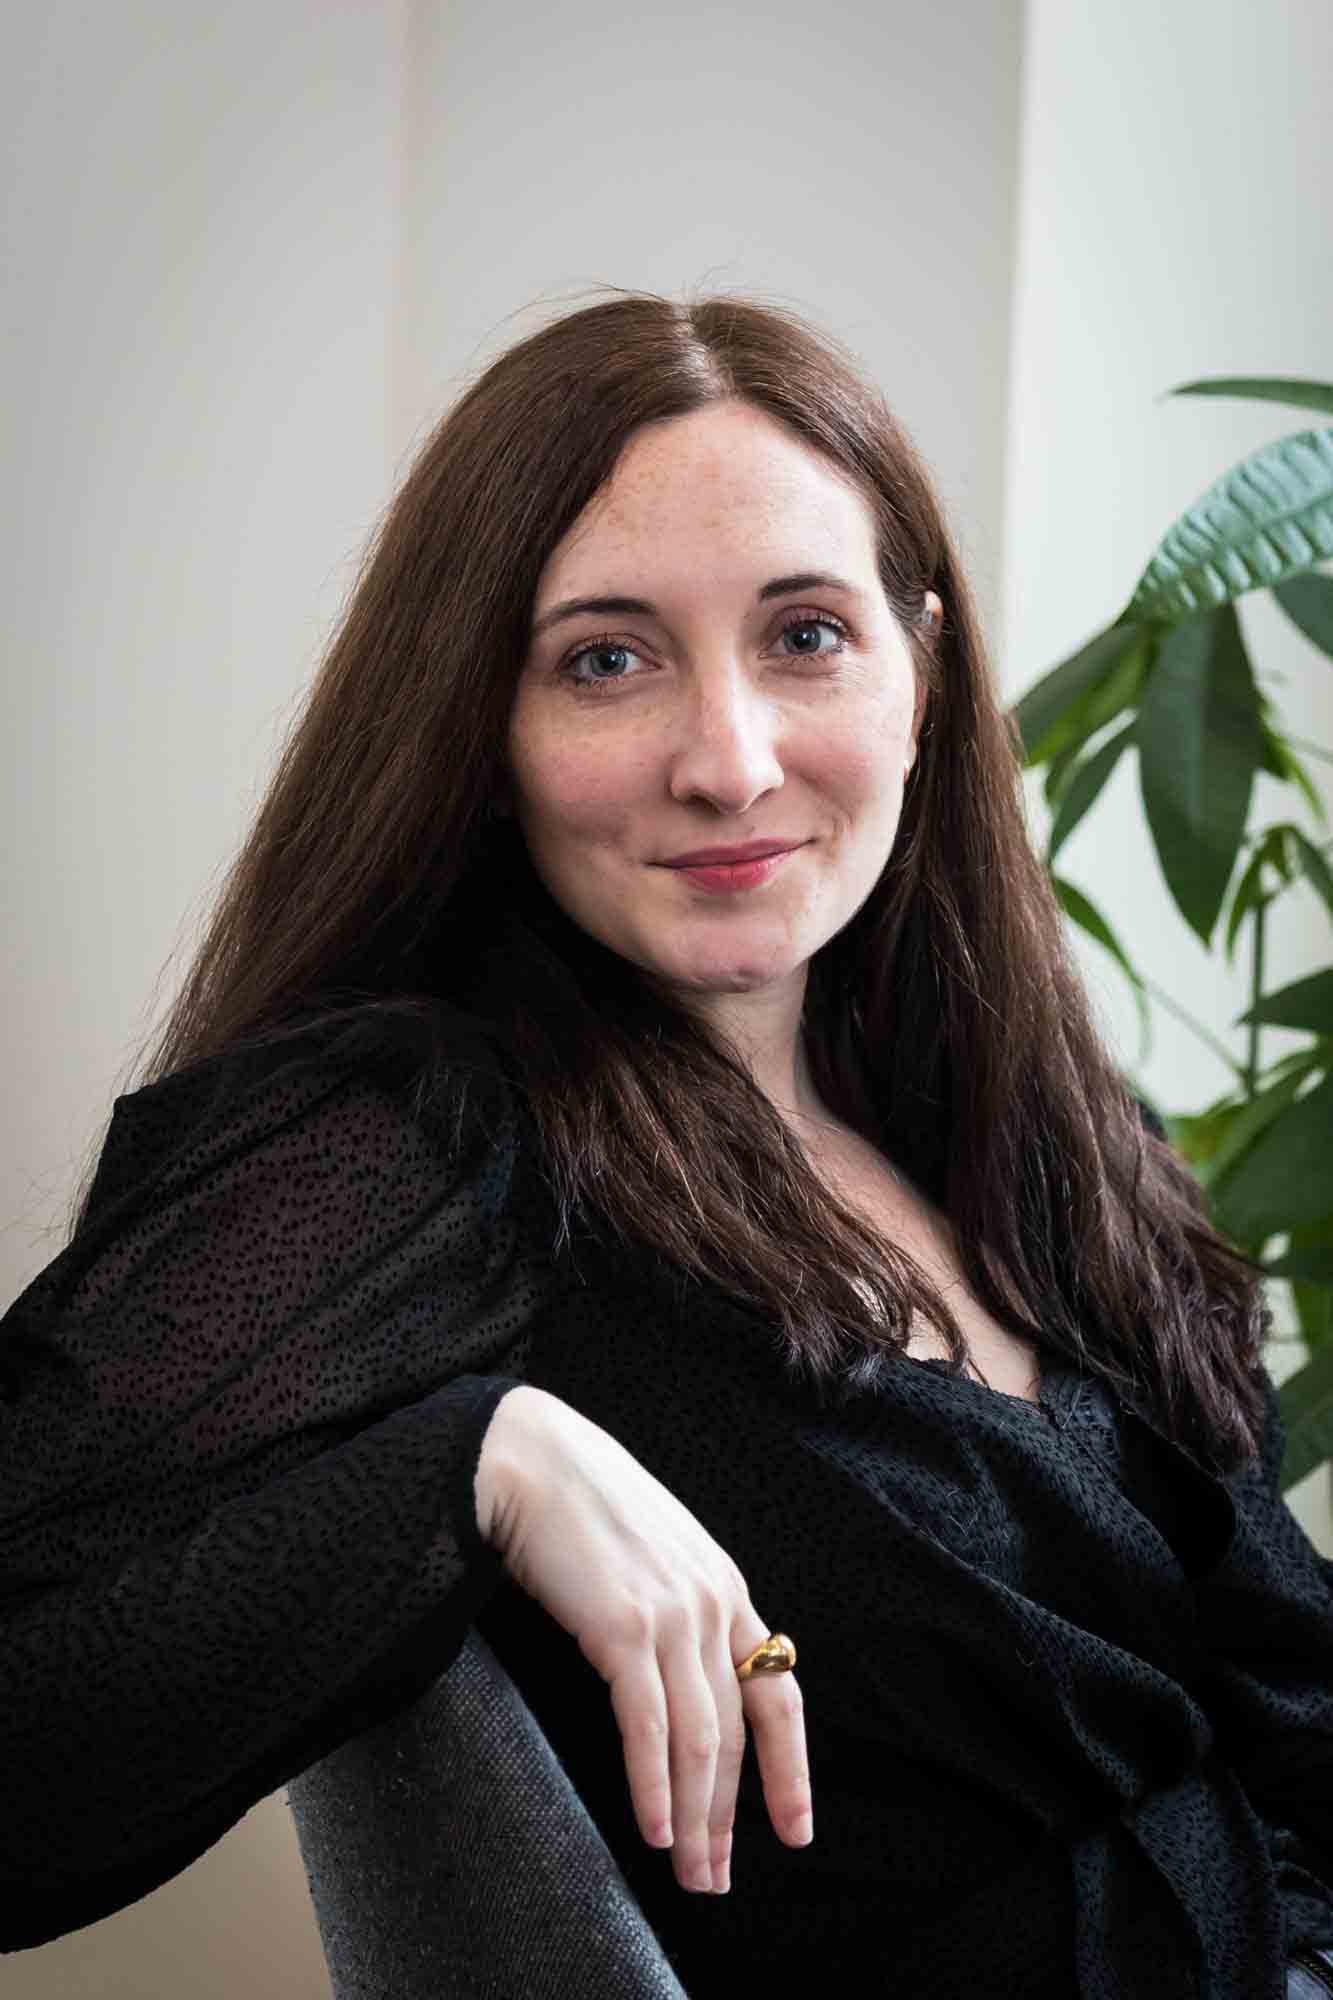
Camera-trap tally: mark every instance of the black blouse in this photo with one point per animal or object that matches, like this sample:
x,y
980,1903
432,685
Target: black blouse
x,y
1068,1698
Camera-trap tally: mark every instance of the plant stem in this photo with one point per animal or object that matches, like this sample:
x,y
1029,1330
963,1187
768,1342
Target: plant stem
x,y
1259,918
1204,1034
1311,749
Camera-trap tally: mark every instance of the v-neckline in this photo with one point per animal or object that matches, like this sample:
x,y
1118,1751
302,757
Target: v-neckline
x,y
1055,1399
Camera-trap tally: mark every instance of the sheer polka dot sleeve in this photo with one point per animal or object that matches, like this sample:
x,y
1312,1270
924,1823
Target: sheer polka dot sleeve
x,y
240,1424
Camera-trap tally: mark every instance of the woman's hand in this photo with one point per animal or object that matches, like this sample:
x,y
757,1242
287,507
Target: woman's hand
x,y
663,1614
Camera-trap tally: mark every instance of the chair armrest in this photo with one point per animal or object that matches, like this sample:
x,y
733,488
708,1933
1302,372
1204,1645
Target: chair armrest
x,y
449,1857
1309,1974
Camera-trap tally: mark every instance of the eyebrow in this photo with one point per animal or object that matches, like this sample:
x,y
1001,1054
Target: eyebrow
x,y
639,607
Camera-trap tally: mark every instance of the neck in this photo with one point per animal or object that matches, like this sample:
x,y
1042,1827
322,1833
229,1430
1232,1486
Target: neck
x,y
765,1032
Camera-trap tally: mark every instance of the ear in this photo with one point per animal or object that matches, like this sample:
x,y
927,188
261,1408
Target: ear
x,y
931,612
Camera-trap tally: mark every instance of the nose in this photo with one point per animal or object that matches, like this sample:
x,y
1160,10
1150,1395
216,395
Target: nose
x,y
725,740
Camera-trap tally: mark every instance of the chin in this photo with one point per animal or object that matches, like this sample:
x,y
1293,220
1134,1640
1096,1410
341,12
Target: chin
x,y
727,977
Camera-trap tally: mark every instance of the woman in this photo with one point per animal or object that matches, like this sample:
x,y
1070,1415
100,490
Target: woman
x,y
632,1166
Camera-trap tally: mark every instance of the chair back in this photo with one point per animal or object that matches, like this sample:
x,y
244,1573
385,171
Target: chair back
x,y
450,1857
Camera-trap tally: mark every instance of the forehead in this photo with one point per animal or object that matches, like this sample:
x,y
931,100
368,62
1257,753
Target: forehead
x,y
724,480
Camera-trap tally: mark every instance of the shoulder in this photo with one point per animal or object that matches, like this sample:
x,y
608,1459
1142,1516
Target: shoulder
x,y
425,1079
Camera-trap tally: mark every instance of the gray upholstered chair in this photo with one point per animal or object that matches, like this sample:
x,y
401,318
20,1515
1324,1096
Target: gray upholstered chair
x,y
450,1858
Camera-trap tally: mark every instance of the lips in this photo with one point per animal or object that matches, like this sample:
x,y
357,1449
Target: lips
x,y
729,878
726,857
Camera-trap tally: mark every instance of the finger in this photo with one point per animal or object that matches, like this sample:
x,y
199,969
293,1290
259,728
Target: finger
x,y
695,1740
730,1757
775,1712
638,1701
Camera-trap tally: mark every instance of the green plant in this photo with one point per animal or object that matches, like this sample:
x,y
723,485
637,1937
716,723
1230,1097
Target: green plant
x,y
1170,679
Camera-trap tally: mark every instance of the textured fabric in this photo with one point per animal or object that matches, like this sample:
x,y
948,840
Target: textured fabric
x,y
1069,1699
450,1858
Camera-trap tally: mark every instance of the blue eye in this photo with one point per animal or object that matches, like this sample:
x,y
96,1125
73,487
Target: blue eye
x,y
803,622
608,645
586,652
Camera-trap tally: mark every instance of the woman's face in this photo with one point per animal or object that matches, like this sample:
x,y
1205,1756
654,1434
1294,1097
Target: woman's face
x,y
739,698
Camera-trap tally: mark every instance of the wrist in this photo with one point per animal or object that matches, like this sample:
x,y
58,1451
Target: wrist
x,y
501,1458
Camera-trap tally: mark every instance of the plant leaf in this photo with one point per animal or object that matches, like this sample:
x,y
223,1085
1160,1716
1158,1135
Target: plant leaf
x,y
1249,894
1264,520
1310,1276
1214,1140
1080,911
1305,1003
1303,1060
1313,866
1044,709
1313,1266
1314,1314
1306,1403
1090,712
1199,1136
1200,743
1286,1177
1307,600
1281,761
1290,389
1084,784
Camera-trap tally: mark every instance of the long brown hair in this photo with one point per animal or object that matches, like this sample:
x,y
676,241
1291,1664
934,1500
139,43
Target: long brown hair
x,y
945,1023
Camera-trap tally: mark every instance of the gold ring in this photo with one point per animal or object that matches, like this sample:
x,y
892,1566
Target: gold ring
x,y
776,1655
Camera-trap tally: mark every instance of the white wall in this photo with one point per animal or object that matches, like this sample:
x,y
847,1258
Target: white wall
x,y
201,256
857,161
255,251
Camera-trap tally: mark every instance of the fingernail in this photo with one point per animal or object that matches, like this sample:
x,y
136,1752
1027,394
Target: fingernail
x,y
803,1829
